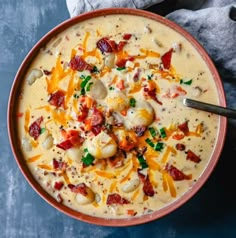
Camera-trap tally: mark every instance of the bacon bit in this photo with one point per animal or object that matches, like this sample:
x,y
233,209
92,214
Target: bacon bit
x,y
141,176
96,117
83,114
193,157
105,45
47,72
120,84
122,62
77,63
178,136
59,198
127,143
140,130
184,127
57,99
124,112
121,45
59,165
79,188
65,145
131,212
152,94
116,162
166,59
19,114
176,174
58,185
180,147
175,92
34,129
96,129
136,75
115,198
127,36
148,188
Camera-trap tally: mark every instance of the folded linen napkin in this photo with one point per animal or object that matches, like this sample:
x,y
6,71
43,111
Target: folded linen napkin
x,y
76,7
211,22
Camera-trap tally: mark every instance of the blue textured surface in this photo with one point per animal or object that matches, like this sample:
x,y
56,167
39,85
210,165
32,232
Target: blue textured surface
x,y
23,214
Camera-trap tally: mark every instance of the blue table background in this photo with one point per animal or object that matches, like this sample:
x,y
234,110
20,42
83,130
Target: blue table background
x,y
23,214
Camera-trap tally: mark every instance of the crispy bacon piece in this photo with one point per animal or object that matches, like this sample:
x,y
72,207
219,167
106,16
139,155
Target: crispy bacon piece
x,y
57,99
121,45
77,63
59,165
122,62
65,145
58,185
72,138
83,114
152,94
147,186
184,127
166,59
127,36
79,188
96,129
176,174
193,157
96,117
115,198
106,45
180,146
140,130
34,129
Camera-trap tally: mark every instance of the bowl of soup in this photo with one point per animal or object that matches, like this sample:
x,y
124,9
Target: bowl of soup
x,y
96,120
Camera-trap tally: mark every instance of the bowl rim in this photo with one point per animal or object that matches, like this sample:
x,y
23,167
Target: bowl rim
x,y
114,222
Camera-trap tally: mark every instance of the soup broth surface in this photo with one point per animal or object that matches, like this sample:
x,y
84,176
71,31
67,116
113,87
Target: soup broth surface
x,y
100,116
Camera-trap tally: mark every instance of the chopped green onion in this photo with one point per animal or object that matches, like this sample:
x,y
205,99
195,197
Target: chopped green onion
x,y
189,82
142,162
149,77
149,142
88,86
82,76
95,69
159,146
85,150
120,68
132,102
42,130
163,132
152,131
85,81
76,95
87,159
111,88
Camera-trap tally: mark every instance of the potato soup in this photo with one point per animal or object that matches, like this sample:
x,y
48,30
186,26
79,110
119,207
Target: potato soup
x,y
100,116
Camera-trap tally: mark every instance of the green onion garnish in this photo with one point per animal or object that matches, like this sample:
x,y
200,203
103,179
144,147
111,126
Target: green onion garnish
x,y
159,146
149,77
189,82
120,68
42,130
111,88
149,142
85,81
95,69
87,159
88,86
132,102
152,132
163,132
142,162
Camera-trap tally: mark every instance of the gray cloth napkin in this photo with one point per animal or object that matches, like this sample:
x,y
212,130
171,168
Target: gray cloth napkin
x,y
211,22
77,7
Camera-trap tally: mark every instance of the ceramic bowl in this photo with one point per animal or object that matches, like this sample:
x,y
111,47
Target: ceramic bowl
x,y
16,147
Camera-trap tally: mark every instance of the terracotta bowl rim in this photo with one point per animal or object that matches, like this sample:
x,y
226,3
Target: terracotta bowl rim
x,y
116,222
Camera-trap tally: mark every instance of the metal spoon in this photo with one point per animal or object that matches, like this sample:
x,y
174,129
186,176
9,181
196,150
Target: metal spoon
x,y
223,111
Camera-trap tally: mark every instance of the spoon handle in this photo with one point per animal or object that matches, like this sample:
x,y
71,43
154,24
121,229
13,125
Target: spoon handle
x,y
223,111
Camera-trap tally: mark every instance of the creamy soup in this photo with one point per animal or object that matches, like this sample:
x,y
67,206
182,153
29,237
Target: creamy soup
x,y
101,121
